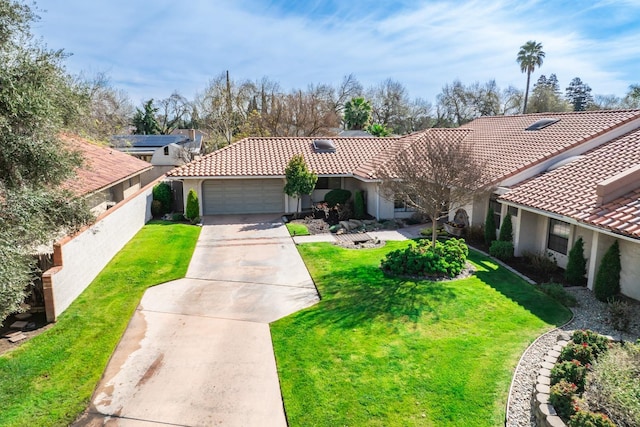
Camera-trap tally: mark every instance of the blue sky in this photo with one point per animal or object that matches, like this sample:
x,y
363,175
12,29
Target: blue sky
x,y
149,48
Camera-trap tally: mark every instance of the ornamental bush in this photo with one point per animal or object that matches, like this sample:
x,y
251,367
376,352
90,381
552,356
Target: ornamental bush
x,y
193,207
506,229
576,265
337,196
501,250
599,343
162,192
570,371
156,208
582,352
607,283
489,228
590,419
562,398
445,259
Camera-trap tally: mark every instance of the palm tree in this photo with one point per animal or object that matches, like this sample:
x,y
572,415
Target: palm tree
x,y
357,113
530,56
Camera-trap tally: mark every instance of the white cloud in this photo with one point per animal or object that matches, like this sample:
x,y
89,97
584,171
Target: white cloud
x,y
154,47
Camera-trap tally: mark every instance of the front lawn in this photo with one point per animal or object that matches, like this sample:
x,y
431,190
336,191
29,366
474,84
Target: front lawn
x,y
297,229
48,381
382,351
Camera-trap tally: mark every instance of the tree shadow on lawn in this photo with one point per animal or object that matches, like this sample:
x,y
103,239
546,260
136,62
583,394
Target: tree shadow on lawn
x,y
359,299
519,291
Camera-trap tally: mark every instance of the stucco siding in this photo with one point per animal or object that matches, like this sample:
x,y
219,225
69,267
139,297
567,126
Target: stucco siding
x,y
630,273
79,259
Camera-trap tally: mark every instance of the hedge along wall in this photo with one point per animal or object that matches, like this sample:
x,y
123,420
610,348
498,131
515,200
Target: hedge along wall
x,y
78,259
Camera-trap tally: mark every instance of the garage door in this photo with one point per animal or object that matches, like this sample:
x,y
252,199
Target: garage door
x,y
232,196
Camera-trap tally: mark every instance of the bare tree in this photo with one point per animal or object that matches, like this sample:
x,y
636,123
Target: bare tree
x,y
172,112
434,172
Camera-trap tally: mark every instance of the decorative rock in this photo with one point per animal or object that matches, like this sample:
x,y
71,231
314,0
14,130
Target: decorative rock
x,y
555,421
543,388
554,353
562,343
544,380
356,222
547,410
557,348
547,365
345,225
542,398
550,359
544,372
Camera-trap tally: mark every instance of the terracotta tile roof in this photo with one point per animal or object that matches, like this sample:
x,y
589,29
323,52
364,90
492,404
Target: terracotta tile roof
x,y
270,156
508,148
368,169
103,166
570,190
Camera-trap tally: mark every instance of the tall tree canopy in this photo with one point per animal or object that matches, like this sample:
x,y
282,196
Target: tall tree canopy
x,y
529,57
37,100
578,94
546,96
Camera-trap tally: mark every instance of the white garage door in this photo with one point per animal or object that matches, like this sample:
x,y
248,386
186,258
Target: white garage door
x,y
233,196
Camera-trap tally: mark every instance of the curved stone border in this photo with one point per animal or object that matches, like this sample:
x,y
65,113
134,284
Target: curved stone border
x,y
544,412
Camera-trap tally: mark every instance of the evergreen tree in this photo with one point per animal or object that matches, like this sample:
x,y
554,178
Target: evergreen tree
x,y
300,180
579,95
607,282
145,120
576,265
506,229
489,228
193,206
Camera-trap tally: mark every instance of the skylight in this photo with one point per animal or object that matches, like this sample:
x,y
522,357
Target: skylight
x,y
542,123
324,146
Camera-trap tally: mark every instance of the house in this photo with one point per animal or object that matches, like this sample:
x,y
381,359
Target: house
x,y
560,175
107,175
164,152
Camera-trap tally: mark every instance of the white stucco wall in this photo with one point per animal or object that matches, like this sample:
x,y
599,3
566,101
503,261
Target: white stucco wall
x,y
192,184
630,273
79,259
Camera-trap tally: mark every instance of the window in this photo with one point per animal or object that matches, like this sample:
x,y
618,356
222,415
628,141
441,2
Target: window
x,y
558,240
166,150
513,210
497,209
542,123
400,205
328,183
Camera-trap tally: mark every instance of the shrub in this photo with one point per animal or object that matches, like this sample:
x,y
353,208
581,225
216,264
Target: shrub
x,y
570,371
600,343
558,292
562,398
446,258
582,352
542,263
156,208
506,229
576,265
337,196
358,205
607,283
501,250
489,228
590,419
620,313
162,192
177,217
614,385
193,207
475,233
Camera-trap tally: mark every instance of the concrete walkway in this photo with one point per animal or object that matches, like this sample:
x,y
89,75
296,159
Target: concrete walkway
x,y
198,350
410,232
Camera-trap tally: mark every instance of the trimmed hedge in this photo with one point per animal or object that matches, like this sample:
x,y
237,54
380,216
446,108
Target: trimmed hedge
x,y
162,192
607,283
576,265
489,228
337,196
501,249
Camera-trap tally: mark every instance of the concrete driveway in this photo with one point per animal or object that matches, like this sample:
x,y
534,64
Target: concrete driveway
x,y
198,350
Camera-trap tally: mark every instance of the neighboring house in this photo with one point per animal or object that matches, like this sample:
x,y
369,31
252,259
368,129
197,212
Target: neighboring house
x,y
560,175
164,152
107,175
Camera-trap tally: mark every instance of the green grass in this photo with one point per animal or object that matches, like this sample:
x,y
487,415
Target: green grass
x,y
297,229
382,351
48,381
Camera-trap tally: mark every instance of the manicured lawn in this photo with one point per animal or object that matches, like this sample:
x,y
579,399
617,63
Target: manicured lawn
x,y
380,351
48,381
296,229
